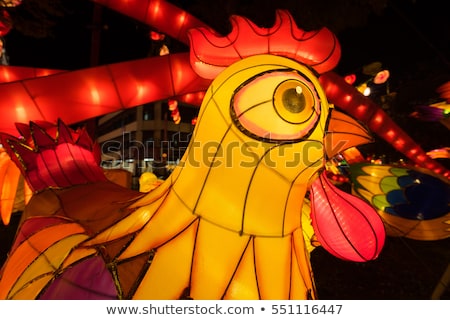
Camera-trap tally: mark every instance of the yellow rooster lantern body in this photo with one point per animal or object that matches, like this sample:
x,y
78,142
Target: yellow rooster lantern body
x,y
227,223
218,230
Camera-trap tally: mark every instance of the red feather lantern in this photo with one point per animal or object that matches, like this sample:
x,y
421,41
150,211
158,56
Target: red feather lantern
x,y
346,226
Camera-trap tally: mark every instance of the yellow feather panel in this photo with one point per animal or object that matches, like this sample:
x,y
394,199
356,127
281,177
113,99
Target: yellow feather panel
x,y
48,261
199,157
170,219
133,222
32,289
78,254
217,255
244,286
30,249
273,267
169,272
302,255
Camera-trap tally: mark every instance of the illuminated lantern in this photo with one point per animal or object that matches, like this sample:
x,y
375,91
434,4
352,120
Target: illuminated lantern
x,y
173,104
175,113
428,113
148,181
157,36
364,109
443,153
324,50
413,202
127,84
11,3
350,79
381,77
224,225
14,193
346,226
352,155
444,91
60,159
164,50
176,116
5,23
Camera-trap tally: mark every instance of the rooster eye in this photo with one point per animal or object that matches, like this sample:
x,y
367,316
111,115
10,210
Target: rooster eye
x,y
277,105
293,99
294,102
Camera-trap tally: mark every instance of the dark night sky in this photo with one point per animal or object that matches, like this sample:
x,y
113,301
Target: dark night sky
x,y
404,34
411,38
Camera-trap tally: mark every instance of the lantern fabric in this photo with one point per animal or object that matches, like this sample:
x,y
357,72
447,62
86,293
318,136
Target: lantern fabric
x,y
362,108
439,153
211,53
413,202
204,233
16,73
345,225
344,133
169,243
90,98
11,3
57,161
444,91
79,95
5,22
15,193
227,223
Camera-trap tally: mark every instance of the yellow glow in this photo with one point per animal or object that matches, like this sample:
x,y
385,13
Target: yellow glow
x,y
21,113
155,8
95,96
6,75
181,18
141,91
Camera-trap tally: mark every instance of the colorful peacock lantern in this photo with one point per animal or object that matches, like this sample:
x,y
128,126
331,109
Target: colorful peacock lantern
x,y
413,202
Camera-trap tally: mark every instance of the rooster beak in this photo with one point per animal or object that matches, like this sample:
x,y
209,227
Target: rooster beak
x,y
344,132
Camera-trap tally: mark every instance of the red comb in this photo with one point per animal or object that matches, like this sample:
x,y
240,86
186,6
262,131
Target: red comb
x,y
211,53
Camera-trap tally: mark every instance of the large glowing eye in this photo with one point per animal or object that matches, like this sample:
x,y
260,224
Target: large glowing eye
x,y
294,101
276,105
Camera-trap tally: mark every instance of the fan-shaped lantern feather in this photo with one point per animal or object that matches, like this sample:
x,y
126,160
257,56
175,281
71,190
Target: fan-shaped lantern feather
x,y
412,202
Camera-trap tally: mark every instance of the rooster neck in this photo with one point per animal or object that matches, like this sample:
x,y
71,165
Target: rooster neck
x,y
249,198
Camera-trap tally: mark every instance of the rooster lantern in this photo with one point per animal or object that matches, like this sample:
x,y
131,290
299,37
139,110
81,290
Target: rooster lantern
x,y
227,222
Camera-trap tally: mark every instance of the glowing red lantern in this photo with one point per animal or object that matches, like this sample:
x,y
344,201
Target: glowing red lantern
x,y
346,226
381,77
350,79
5,23
173,104
157,36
